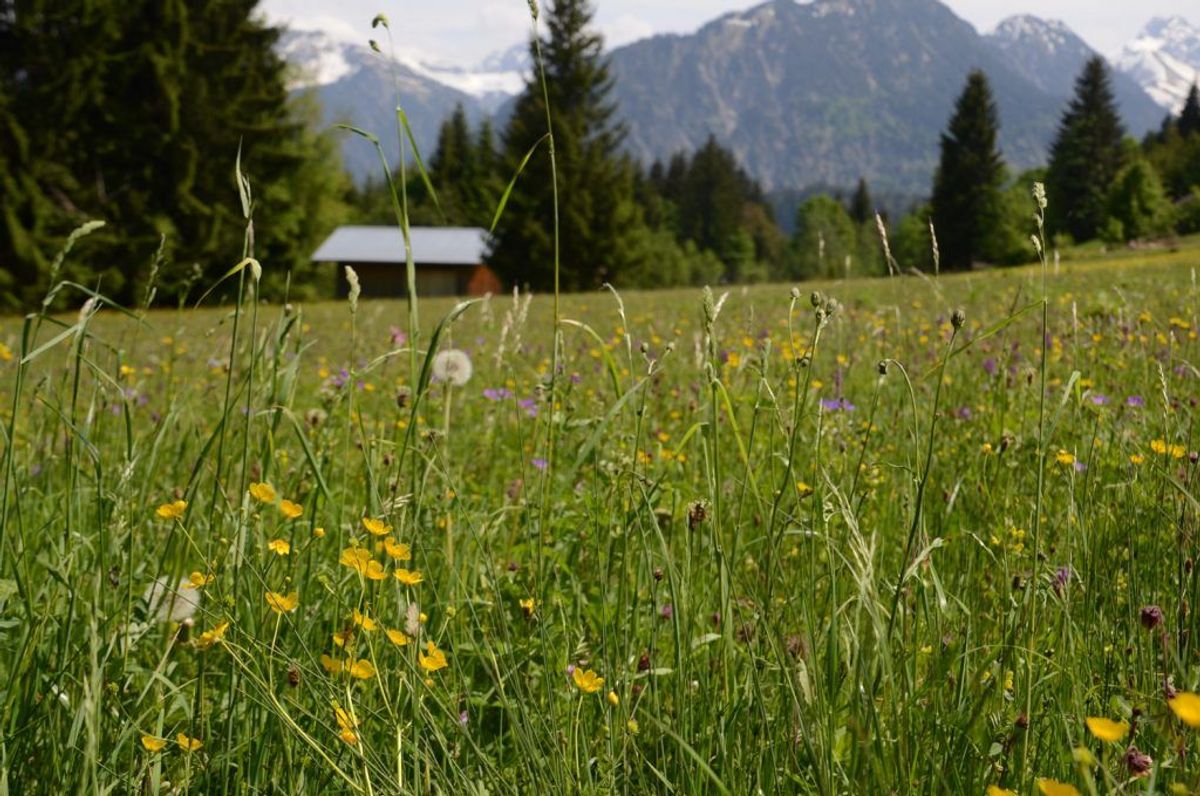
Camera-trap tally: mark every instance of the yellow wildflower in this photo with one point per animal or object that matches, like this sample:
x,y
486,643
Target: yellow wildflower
x,y
1065,458
376,527
434,660
587,681
365,622
171,511
613,699
198,580
1107,729
363,669
289,509
346,724
397,637
408,578
527,605
1186,706
283,603
397,550
361,562
153,744
262,491
279,547
332,665
188,744
211,637
803,489
996,790
1052,787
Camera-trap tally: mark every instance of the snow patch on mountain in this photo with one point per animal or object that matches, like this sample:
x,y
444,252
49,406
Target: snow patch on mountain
x,y
1165,60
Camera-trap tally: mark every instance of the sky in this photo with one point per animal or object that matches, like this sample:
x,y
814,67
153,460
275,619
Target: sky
x,y
463,32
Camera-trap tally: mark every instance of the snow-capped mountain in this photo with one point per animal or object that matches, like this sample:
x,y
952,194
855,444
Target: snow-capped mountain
x,y
1047,53
358,86
1165,60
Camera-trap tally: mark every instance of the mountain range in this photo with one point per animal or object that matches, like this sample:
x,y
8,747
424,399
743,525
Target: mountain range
x,y
803,92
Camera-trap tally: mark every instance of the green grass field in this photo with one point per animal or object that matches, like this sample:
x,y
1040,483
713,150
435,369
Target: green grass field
x,y
721,549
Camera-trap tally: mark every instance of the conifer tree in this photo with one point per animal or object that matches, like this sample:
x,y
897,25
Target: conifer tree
x,y
862,209
966,190
595,183
1085,157
139,110
1189,117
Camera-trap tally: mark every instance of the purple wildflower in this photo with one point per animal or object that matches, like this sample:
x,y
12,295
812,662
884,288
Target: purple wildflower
x,y
837,405
1135,401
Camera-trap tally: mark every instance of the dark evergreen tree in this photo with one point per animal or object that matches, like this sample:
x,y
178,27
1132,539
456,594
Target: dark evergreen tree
x,y
595,183
1085,157
862,209
1189,117
138,111
967,186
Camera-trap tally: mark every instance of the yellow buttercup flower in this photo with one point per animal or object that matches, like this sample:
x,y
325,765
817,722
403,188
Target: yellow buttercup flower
x,y
365,622
397,550
996,790
613,699
188,744
587,681
263,492
362,669
332,665
1065,458
283,603
211,637
376,527
361,562
289,509
1052,787
803,489
171,511
346,724
1186,706
527,605
433,658
198,580
397,637
408,578
1107,729
279,546
153,744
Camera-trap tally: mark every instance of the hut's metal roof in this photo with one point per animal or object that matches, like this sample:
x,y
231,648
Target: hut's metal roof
x,y
464,246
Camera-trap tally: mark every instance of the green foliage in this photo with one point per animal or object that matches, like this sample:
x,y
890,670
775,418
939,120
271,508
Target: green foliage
x,y
134,113
1138,204
1085,156
826,243
967,204
912,244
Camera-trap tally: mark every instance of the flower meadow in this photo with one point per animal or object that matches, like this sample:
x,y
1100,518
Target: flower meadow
x,y
914,535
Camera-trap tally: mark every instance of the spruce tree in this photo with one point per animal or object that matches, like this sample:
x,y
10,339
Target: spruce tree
x,y
966,190
596,211
1085,157
1189,117
138,111
862,209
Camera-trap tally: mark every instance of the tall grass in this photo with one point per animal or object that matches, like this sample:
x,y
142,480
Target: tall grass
x,y
858,543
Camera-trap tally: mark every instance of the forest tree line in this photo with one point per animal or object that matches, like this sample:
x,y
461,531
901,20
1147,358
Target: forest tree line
x,y
134,113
